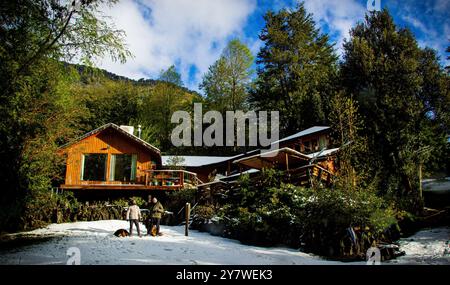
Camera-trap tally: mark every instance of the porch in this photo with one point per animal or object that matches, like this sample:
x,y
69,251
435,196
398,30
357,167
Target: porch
x,y
158,180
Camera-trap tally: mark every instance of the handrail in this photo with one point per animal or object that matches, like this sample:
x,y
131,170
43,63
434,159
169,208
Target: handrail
x,y
162,176
170,170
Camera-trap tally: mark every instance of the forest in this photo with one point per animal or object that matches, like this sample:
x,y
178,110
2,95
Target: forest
x,y
385,94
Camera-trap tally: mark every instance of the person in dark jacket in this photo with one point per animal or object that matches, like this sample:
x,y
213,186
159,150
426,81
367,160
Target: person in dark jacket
x,y
148,219
156,212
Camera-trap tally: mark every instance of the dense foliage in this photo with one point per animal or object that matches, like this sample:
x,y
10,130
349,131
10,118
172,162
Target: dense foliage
x,y
403,99
317,219
387,101
297,67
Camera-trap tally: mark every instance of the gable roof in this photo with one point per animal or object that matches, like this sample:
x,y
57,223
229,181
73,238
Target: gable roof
x,y
322,153
120,130
303,133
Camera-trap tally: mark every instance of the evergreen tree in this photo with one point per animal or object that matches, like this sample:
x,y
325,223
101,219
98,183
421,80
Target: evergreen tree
x,y
297,65
171,75
401,96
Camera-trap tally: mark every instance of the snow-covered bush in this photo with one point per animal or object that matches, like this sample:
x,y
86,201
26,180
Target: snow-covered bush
x,y
319,219
330,215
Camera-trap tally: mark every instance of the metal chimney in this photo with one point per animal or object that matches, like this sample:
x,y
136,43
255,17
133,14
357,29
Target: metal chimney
x,y
139,131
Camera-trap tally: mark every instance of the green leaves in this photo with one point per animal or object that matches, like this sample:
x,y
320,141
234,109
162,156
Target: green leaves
x,y
297,66
390,76
38,108
157,106
228,79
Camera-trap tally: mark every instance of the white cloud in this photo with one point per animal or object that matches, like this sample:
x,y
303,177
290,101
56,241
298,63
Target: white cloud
x,y
432,35
338,15
182,32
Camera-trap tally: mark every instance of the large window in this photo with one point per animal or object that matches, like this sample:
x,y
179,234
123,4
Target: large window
x,y
93,167
123,167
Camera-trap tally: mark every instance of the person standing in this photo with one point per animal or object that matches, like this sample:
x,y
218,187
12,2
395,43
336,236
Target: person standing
x,y
148,219
156,214
134,216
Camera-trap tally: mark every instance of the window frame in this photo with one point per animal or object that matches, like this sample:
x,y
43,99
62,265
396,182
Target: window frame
x,y
112,167
83,162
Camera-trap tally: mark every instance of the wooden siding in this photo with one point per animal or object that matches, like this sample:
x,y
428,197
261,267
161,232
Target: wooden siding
x,y
108,141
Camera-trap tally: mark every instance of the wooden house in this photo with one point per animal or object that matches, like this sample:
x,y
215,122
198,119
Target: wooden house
x,y
302,155
113,158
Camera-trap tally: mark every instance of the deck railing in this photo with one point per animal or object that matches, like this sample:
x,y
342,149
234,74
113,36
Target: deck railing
x,y
171,178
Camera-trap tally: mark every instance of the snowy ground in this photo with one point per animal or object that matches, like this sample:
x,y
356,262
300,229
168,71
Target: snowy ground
x,y
430,246
436,185
98,245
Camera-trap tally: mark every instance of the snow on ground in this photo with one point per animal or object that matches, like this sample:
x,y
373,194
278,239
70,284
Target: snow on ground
x,y
98,245
430,246
436,185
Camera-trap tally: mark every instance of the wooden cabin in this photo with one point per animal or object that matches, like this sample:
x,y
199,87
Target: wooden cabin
x,y
113,158
302,155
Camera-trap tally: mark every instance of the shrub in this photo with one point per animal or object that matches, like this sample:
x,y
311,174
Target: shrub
x,y
204,212
45,207
318,219
201,216
176,200
328,214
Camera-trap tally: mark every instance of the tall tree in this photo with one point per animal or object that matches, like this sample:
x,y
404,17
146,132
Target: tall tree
x,y
158,105
37,111
401,97
171,75
228,79
346,125
297,65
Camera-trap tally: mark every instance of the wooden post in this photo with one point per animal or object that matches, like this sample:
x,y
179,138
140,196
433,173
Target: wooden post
x,y
188,214
287,167
287,162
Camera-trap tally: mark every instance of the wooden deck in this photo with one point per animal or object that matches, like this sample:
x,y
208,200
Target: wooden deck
x,y
156,180
302,175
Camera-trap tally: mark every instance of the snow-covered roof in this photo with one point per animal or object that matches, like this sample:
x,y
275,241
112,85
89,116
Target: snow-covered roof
x,y
322,153
250,171
303,133
195,161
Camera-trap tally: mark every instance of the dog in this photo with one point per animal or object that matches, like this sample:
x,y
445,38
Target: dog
x,y
122,233
153,232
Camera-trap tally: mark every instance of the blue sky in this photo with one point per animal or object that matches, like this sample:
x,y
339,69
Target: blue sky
x,y
192,33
